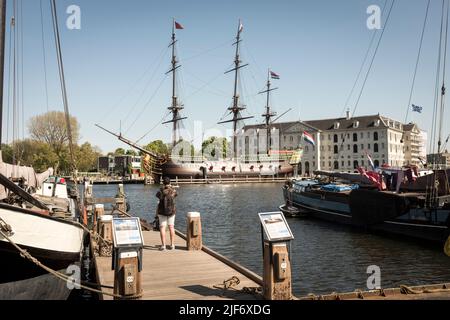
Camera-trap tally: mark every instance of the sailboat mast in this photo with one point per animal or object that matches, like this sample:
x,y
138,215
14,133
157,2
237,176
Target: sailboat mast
x,y
443,89
2,63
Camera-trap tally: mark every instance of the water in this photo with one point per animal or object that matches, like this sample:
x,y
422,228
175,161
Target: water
x,y
325,257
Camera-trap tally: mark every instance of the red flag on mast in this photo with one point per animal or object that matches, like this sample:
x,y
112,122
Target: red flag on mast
x,y
178,26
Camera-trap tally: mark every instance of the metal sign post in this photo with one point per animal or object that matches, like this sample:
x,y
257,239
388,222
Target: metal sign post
x,y
127,257
276,236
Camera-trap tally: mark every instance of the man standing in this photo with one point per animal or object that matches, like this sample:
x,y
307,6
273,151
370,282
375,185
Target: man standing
x,y
166,212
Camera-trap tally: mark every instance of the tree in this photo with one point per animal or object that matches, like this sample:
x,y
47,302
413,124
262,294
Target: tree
x,y
119,152
131,152
157,146
86,157
213,144
51,128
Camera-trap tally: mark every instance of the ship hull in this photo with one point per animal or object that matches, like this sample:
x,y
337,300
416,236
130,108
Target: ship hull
x,y
213,169
56,243
413,223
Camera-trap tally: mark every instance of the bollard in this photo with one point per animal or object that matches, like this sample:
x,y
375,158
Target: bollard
x,y
127,276
277,272
127,257
120,199
194,231
105,231
99,211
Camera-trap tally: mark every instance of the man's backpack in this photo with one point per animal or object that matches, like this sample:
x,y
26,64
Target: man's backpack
x,y
167,202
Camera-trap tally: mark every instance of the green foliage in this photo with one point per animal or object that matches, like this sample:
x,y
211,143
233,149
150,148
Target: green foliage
x,y
157,146
131,152
87,157
213,144
119,152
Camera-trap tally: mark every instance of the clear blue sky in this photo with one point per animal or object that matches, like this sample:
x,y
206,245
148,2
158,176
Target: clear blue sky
x,y
316,47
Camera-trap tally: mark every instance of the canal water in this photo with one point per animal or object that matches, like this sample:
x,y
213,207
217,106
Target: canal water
x,y
326,257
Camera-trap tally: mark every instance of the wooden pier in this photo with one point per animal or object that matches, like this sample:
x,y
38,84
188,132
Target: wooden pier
x,y
184,275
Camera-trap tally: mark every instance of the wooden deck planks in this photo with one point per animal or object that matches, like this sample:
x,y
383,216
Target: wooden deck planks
x,y
179,274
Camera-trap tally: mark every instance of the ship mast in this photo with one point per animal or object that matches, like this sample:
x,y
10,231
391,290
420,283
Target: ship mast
x,y
236,109
2,63
175,108
269,114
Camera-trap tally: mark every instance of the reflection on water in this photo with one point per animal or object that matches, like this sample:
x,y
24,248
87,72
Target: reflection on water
x,y
325,257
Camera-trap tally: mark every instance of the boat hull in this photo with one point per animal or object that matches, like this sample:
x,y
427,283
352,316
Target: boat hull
x,y
56,243
213,169
408,222
44,287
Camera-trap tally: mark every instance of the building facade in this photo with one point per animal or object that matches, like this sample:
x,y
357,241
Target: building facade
x,y
342,144
122,165
442,159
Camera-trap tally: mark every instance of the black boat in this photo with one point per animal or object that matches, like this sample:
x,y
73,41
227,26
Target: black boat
x,y
405,214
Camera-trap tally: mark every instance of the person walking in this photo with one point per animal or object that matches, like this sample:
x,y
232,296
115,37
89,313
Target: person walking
x,y
166,212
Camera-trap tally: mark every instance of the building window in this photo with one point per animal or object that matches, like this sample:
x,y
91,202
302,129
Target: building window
x,y
349,163
348,147
376,163
306,149
355,164
355,137
329,138
368,146
362,147
368,135
336,165
343,164
329,164
375,136
355,148
329,149
291,138
375,147
362,162
335,138
336,150
362,135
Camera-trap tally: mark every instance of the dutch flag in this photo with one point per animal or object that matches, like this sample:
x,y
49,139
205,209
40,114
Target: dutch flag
x,y
275,76
308,138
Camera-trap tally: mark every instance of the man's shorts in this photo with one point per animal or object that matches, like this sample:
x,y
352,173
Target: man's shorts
x,y
165,220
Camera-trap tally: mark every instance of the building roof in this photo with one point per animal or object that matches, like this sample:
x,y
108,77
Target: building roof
x,y
344,123
328,124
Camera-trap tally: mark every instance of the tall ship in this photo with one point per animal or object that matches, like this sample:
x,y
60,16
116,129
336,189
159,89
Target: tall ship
x,y
218,163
